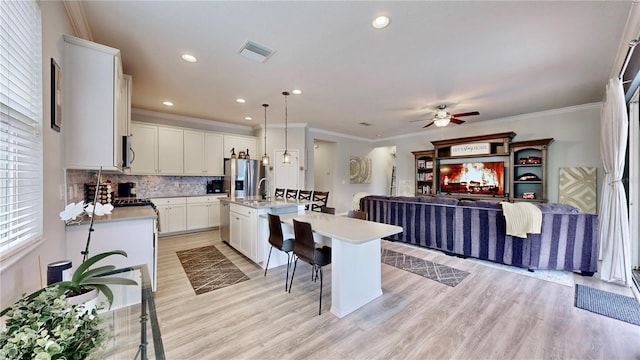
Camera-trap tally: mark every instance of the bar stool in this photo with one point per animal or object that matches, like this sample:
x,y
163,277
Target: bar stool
x,y
305,248
305,195
321,198
276,239
328,210
292,194
357,214
279,193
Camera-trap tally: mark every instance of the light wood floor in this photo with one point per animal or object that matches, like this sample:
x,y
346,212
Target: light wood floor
x,y
492,314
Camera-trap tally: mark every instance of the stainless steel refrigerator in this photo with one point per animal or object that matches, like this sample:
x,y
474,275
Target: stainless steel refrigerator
x,y
241,177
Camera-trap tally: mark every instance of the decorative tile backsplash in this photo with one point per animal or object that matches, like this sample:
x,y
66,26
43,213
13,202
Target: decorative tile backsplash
x,y
146,185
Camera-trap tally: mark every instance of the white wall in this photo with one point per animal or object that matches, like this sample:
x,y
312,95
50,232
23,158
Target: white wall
x,y
382,162
323,164
576,131
23,275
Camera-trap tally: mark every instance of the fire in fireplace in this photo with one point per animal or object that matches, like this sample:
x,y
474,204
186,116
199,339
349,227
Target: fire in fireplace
x,y
481,178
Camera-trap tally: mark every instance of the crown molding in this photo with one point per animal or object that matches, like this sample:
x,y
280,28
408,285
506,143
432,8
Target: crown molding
x,y
75,12
187,119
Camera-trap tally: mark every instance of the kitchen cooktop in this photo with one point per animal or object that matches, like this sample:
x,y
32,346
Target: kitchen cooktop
x,y
132,202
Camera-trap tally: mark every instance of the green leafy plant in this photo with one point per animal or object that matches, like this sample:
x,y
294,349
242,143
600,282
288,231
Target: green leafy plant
x,y
47,327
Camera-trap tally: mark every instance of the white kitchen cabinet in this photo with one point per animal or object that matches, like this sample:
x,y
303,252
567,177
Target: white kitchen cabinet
x,y
170,150
214,155
243,230
240,143
158,149
172,214
203,212
137,237
95,105
203,153
144,143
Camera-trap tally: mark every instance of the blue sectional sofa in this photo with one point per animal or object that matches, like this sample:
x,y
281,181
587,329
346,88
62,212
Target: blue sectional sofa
x,y
568,240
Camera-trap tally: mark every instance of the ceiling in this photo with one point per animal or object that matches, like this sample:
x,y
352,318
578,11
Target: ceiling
x,y
499,58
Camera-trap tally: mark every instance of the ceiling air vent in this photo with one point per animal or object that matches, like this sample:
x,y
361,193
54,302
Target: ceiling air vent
x,y
255,52
365,123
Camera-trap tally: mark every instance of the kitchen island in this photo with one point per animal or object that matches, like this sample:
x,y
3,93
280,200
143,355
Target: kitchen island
x,y
244,226
356,274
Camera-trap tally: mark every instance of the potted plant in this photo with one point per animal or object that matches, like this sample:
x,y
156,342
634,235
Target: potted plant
x,y
46,326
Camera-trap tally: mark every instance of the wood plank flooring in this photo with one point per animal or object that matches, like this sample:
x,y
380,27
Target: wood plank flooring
x,y
492,314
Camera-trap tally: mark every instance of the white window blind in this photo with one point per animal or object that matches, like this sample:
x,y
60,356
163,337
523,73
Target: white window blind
x,y
20,123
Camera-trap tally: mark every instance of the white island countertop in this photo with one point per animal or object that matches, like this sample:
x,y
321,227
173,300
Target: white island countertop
x,y
257,202
354,231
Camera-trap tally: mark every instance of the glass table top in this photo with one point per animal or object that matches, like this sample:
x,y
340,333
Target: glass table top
x,y
132,318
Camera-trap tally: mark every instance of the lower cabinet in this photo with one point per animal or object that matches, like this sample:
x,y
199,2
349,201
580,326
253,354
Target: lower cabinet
x,y
203,212
243,230
172,214
136,236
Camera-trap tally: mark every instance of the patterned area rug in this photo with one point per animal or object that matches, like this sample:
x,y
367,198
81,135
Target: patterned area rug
x,y
441,273
609,304
208,270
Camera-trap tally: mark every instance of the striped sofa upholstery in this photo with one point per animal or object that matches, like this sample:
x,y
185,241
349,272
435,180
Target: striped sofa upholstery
x,y
568,240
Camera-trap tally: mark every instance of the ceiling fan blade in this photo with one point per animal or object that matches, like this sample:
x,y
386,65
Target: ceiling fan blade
x,y
416,120
466,114
429,124
456,121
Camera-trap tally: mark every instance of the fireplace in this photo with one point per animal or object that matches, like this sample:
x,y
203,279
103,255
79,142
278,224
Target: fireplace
x,y
472,178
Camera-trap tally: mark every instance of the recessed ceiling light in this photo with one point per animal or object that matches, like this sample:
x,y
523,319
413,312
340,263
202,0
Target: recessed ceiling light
x,y
240,101
189,58
380,22
167,103
296,91
248,118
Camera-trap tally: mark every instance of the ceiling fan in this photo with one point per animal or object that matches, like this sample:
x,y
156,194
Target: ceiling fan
x,y
442,117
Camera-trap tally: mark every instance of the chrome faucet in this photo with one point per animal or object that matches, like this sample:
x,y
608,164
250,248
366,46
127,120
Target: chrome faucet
x,y
265,194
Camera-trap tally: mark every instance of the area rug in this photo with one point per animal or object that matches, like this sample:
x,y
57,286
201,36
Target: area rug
x,y
208,269
609,304
434,271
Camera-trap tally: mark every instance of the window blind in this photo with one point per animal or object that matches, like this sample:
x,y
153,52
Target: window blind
x,y
20,123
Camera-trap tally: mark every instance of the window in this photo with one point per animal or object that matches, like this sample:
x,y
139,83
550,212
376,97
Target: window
x,y
20,123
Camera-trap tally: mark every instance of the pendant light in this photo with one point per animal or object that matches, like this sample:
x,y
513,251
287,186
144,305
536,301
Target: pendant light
x,y
265,157
286,157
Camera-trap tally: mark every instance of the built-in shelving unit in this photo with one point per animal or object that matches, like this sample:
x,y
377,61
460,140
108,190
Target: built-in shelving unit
x,y
423,172
484,167
473,167
528,170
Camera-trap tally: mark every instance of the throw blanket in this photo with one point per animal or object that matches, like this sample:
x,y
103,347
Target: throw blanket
x,y
522,218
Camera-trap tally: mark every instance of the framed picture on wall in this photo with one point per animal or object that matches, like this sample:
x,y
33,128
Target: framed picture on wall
x,y
56,96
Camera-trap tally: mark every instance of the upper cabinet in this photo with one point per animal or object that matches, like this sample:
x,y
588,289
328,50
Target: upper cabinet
x,y
203,153
169,150
96,105
158,150
240,143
